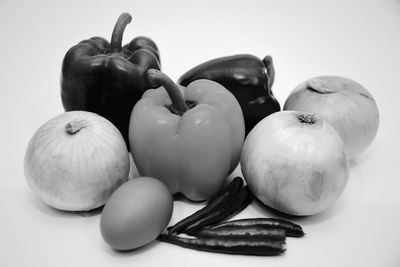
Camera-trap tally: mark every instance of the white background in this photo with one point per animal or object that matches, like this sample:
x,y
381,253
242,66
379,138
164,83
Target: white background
x,y
357,39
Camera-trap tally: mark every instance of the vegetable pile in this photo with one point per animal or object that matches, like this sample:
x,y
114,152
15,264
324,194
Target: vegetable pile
x,y
187,138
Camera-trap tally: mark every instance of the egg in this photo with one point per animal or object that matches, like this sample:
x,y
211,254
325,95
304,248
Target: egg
x,y
136,213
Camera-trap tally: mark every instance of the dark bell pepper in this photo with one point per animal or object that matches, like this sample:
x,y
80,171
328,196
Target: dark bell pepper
x,y
247,77
107,78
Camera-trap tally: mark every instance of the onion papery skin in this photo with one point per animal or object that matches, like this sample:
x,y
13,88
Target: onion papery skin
x,y
296,168
343,103
75,161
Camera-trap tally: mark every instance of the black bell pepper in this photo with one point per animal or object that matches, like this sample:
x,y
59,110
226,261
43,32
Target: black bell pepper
x,y
108,78
247,77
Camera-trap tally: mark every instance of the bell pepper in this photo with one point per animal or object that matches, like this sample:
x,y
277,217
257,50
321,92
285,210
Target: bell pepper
x,y
247,77
190,137
107,78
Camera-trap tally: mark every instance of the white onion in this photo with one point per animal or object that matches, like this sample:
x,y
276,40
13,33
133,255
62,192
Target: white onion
x,y
342,102
295,163
76,160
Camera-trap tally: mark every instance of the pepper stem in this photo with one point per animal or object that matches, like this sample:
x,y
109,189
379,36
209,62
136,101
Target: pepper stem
x,y
116,37
269,65
157,78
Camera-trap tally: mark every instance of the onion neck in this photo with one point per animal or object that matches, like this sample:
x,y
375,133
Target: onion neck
x,y
116,37
157,78
308,119
75,126
317,85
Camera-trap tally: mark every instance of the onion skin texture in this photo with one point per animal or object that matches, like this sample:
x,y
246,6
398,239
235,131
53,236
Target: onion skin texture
x,y
342,102
75,161
295,167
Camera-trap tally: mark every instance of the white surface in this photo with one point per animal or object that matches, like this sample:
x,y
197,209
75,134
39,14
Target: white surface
x,y
356,39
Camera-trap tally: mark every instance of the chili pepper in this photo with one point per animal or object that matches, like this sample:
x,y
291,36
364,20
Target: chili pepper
x,y
236,204
190,137
247,77
226,193
243,232
292,229
107,78
246,246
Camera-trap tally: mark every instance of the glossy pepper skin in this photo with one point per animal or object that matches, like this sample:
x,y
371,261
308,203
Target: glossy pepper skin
x,y
190,137
249,79
106,78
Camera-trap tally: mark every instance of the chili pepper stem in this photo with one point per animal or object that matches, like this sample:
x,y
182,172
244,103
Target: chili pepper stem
x,y
157,78
116,37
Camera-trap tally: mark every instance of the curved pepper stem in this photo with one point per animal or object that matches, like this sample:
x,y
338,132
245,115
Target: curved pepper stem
x,y
157,78
268,63
116,37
